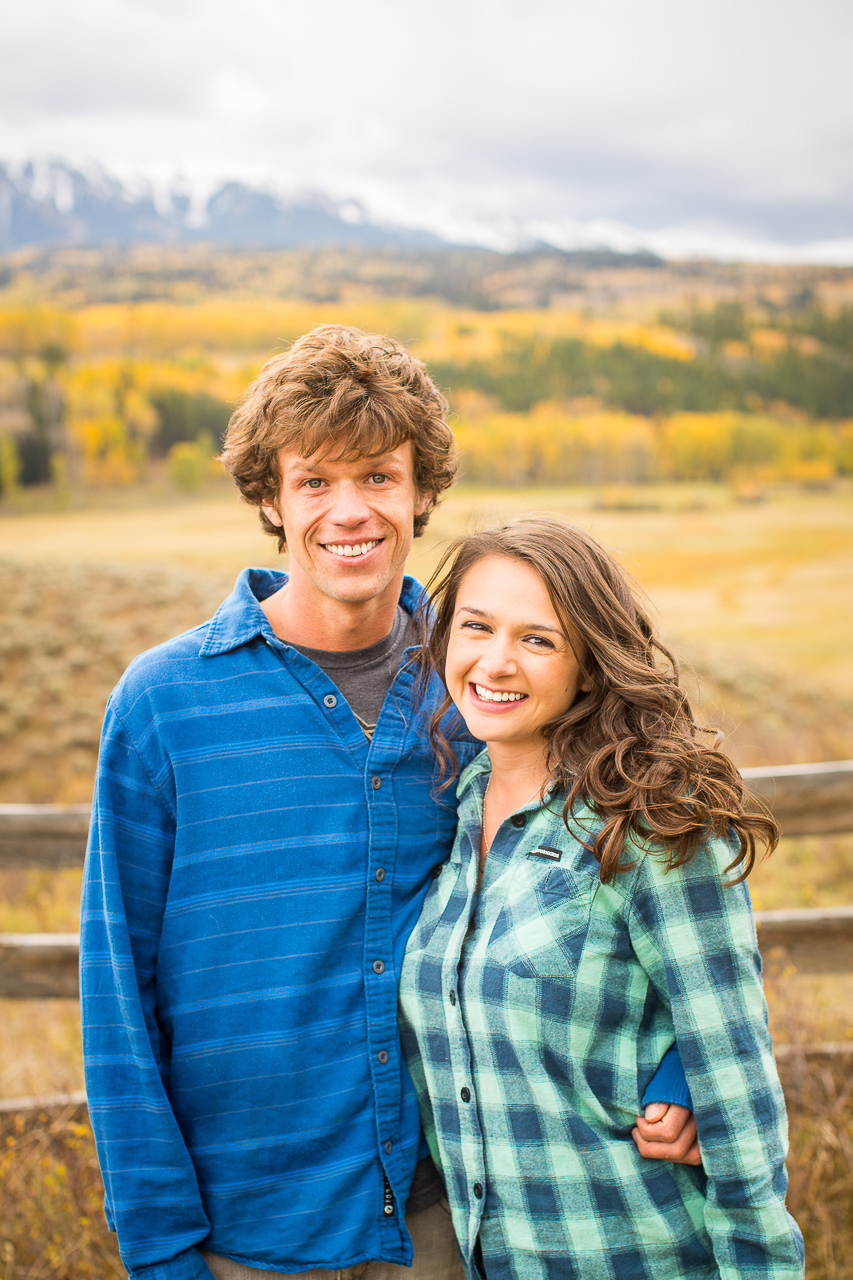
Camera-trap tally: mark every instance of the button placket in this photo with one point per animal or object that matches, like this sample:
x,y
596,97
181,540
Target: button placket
x,y
470,1138
381,993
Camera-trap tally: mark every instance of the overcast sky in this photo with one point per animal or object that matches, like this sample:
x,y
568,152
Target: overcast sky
x,y
710,124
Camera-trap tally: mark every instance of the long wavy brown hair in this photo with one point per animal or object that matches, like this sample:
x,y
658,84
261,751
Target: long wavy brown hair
x,y
631,746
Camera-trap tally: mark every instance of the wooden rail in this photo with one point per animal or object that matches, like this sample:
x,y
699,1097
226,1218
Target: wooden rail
x,y
807,799
43,837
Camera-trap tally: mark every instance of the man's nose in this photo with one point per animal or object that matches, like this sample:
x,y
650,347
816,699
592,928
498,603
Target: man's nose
x,y
348,504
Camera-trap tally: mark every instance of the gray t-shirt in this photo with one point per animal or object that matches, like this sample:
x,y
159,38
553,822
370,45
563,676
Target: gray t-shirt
x,y
364,677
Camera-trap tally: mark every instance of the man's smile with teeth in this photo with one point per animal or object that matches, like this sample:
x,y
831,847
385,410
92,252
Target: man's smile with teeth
x,y
494,695
355,549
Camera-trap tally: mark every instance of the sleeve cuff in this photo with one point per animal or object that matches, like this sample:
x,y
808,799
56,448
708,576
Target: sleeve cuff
x,y
669,1084
189,1265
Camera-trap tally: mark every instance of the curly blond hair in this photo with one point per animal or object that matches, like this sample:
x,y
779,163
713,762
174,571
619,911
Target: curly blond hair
x,y
343,392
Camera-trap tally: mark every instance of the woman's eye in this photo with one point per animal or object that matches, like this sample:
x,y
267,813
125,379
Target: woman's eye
x,y
539,642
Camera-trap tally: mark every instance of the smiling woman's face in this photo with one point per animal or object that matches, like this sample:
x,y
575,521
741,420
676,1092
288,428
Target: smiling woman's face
x,y
510,667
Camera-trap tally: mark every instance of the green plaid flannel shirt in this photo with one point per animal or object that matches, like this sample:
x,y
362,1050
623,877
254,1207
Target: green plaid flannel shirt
x,y
534,1015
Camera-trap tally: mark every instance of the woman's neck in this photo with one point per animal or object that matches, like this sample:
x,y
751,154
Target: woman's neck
x,y
516,775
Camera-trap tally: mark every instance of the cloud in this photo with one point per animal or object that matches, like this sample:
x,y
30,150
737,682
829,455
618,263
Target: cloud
x,y
731,114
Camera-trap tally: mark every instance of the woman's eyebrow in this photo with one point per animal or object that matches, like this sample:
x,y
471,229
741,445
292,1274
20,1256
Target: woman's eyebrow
x,y
525,626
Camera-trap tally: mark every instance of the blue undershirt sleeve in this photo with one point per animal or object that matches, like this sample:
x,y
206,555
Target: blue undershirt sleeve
x,y
669,1083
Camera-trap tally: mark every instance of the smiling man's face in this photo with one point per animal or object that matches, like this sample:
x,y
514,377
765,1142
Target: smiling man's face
x,y
348,523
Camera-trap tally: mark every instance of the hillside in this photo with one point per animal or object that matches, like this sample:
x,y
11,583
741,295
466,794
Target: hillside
x,y
70,630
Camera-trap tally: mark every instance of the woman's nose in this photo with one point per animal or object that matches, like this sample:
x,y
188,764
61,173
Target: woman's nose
x,y
498,659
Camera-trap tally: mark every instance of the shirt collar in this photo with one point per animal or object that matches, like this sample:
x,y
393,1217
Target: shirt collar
x,y
479,765
240,618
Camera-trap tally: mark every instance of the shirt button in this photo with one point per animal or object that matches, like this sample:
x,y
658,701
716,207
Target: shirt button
x,y
378,966
389,1147
518,819
382,1056
466,1094
478,1190
388,1210
376,783
330,700
380,873
453,997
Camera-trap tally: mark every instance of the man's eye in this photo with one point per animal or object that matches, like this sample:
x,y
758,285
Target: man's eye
x,y
379,477
314,483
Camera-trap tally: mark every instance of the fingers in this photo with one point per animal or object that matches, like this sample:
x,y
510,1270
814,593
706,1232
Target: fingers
x,y
669,1125
675,1153
667,1133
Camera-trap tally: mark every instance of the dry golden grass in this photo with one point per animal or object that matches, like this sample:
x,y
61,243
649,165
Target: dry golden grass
x,y
48,1052
52,1223
68,632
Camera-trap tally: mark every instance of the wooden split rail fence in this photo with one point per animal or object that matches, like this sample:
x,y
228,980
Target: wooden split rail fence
x,y
807,799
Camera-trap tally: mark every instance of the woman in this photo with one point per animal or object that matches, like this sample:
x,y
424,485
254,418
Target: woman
x,y
592,912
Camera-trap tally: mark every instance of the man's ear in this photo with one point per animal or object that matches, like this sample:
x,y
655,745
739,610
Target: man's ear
x,y
424,499
271,514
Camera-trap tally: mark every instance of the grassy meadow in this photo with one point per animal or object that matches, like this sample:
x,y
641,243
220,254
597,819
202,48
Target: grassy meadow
x,y
709,411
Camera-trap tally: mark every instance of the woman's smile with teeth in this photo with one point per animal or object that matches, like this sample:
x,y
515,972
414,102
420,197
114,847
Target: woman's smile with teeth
x,y
347,549
495,695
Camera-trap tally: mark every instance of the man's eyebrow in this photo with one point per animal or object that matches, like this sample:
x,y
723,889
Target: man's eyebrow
x,y
525,626
384,462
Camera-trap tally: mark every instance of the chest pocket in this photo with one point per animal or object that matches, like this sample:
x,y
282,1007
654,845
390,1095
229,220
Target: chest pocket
x,y
543,924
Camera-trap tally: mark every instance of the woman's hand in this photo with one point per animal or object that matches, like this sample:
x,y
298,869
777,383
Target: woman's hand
x,y
667,1132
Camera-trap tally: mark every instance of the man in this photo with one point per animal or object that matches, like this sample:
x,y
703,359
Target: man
x,y
264,828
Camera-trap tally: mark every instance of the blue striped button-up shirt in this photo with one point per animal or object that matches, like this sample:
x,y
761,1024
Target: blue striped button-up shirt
x,y
254,870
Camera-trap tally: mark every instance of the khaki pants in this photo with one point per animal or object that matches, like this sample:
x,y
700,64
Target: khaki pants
x,y
436,1256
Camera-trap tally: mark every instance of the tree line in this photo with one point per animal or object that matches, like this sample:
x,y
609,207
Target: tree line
x,y
102,394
